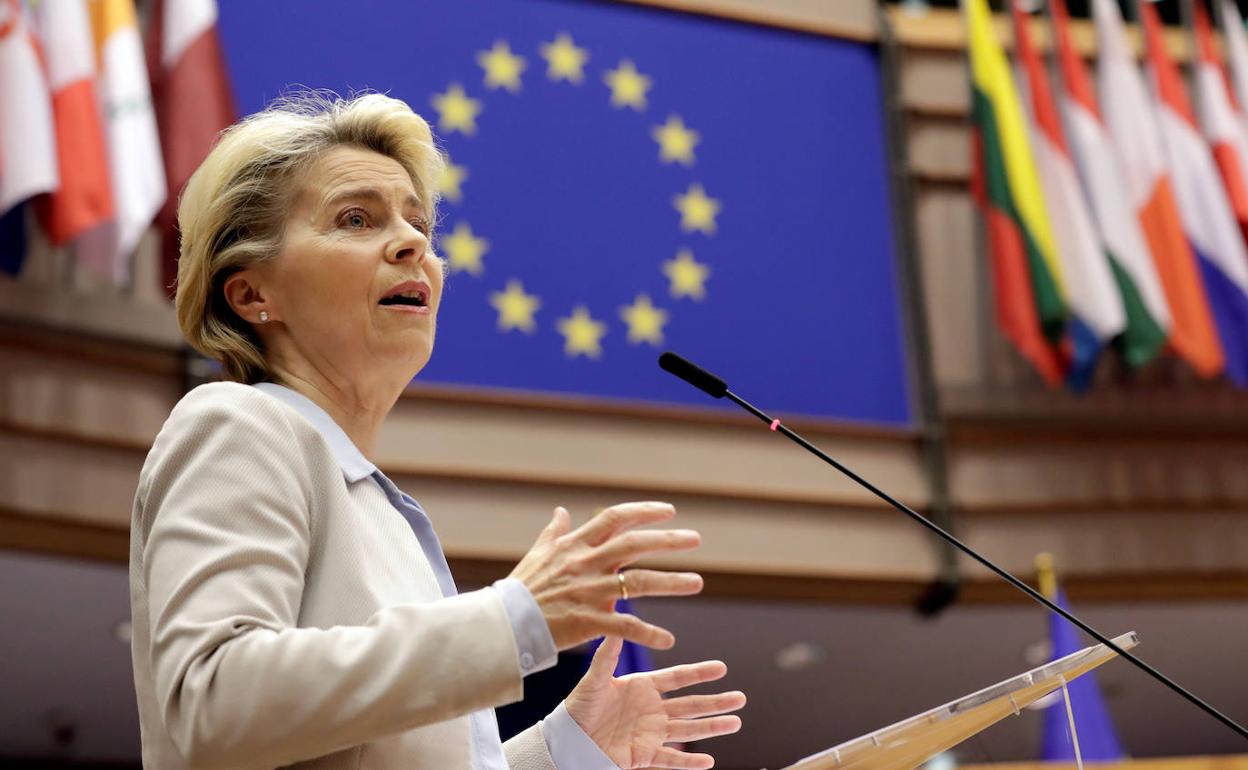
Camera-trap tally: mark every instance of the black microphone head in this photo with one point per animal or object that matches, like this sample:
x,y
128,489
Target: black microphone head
x,y
693,374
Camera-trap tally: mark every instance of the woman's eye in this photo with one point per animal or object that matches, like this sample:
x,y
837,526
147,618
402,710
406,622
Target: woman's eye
x,y
421,225
355,220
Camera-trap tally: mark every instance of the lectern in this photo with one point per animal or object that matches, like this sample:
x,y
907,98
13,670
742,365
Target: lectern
x,y
911,742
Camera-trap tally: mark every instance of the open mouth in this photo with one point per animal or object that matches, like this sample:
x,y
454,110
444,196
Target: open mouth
x,y
408,294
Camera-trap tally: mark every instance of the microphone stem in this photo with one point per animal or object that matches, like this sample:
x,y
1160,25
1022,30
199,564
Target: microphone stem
x,y
1007,577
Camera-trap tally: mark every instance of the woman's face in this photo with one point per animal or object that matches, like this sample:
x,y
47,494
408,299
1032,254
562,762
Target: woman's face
x,y
356,286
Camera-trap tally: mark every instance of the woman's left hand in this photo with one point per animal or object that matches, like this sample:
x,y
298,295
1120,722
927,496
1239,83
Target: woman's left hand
x,y
630,720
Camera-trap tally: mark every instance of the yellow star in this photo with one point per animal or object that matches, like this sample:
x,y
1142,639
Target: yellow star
x,y
515,308
687,275
628,86
582,334
676,141
464,250
452,177
564,61
456,110
502,67
645,321
697,211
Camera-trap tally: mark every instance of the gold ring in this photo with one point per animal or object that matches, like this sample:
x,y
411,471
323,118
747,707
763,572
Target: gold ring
x,y
623,586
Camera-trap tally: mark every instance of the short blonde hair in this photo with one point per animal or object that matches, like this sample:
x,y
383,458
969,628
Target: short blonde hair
x,y
232,213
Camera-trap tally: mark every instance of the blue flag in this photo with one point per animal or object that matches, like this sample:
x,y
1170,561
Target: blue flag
x,y
1097,739
626,180
13,240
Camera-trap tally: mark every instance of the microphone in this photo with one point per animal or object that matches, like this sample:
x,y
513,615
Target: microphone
x,y
693,374
716,387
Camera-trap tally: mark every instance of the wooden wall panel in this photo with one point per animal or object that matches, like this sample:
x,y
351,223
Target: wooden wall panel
x,y
951,266
111,402
851,19
628,452
1138,487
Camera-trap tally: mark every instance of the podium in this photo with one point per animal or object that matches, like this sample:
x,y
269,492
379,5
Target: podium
x,y
911,742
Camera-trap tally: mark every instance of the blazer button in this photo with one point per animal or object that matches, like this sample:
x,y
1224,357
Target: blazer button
x,y
526,661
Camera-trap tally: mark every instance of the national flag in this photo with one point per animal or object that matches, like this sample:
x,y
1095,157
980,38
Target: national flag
x,y
1206,215
1144,301
13,239
1218,119
1026,276
1097,739
28,159
193,100
580,249
138,178
1136,139
84,198
1096,311
1237,56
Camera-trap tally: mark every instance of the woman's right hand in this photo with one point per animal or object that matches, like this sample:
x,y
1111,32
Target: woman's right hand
x,y
572,573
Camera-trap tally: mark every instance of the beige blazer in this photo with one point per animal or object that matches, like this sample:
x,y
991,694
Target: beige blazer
x,y
285,615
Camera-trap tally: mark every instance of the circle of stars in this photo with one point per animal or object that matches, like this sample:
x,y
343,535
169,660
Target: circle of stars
x,y
628,88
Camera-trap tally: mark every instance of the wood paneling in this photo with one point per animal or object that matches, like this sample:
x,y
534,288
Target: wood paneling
x,y
59,537
1137,486
850,19
942,29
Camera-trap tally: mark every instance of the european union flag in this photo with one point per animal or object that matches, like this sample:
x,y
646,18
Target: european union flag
x,y
625,180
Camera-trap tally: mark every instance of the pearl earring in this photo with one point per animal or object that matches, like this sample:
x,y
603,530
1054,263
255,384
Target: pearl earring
x,y
264,316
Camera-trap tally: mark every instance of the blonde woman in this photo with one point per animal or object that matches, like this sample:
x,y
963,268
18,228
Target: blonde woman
x,y
290,605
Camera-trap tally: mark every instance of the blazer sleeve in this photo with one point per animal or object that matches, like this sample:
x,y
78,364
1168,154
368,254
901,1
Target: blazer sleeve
x,y
556,743
528,751
224,512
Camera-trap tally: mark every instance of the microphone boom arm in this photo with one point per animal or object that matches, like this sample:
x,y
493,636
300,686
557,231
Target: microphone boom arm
x,y
716,387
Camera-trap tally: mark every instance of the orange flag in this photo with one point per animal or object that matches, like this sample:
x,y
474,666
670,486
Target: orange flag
x,y
84,198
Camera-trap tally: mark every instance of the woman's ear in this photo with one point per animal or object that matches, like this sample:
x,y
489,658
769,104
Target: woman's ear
x,y
246,298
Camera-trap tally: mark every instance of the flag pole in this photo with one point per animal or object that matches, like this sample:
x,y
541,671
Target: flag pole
x,y
945,584
986,336
1218,19
1046,578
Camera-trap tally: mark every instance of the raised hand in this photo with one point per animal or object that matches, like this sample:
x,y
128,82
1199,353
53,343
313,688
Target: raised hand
x,y
572,573
629,719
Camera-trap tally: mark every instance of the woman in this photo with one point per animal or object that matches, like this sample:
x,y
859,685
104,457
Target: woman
x,y
291,605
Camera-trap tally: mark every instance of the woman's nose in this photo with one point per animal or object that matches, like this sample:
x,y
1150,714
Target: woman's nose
x,y
409,244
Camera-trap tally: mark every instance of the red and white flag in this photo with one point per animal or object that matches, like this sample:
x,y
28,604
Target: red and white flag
x,y
1237,56
84,198
1218,119
28,164
194,103
1236,50
1208,221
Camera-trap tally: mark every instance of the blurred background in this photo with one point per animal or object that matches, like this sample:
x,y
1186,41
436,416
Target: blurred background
x,y
914,261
